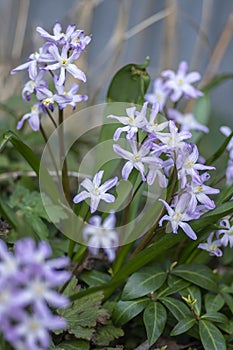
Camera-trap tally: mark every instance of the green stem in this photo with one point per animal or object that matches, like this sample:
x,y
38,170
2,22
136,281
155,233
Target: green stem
x,y
71,248
146,240
49,149
51,118
63,162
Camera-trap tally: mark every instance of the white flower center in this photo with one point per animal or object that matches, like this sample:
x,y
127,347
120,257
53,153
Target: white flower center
x,y
34,326
64,62
4,297
48,101
96,191
177,217
39,288
137,157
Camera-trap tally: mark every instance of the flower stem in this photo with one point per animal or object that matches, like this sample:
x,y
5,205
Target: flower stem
x,y
63,162
51,117
146,240
49,149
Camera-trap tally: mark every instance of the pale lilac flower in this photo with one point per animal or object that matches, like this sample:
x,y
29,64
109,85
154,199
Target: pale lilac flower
x,y
79,41
8,262
34,59
137,158
153,126
64,62
199,194
211,246
156,171
187,166
40,292
159,94
58,35
31,86
134,121
33,118
225,130
71,93
180,83
48,99
187,121
227,233
174,140
28,279
95,191
102,235
30,331
178,216
229,172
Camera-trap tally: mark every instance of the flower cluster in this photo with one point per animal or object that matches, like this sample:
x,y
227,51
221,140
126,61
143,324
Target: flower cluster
x,y
174,85
57,56
28,279
165,152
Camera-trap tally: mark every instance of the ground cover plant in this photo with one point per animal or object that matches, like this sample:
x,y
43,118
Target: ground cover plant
x,y
116,233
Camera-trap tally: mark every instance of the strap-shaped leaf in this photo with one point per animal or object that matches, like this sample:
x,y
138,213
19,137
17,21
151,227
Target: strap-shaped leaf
x,y
183,326
198,274
126,310
146,280
154,317
211,337
22,148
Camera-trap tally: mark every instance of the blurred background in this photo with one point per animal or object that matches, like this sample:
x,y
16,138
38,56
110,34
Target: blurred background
x,y
126,31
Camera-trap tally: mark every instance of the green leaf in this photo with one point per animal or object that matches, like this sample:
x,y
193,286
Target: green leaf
x,y
94,277
146,280
227,327
215,317
183,326
129,84
211,337
198,274
229,300
154,317
83,314
124,311
213,302
22,148
201,112
143,258
175,284
72,345
220,150
195,294
56,212
217,80
178,309
107,333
